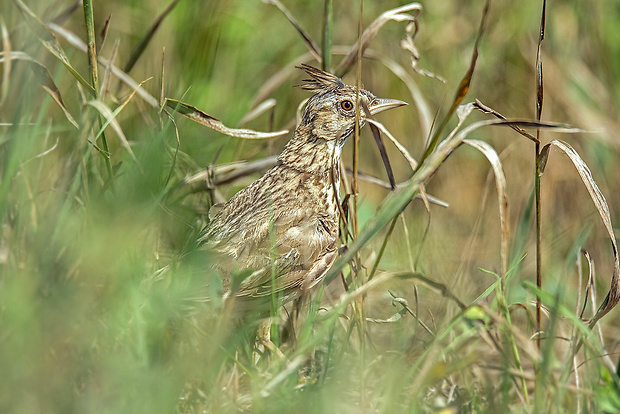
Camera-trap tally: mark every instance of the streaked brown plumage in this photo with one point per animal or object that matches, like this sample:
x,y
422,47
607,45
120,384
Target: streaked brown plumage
x,y
287,221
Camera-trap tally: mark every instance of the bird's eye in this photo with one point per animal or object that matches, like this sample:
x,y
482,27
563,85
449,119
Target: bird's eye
x,y
347,105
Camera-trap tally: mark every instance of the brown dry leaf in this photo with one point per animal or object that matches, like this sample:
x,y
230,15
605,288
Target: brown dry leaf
x,y
408,43
500,183
613,296
207,120
488,110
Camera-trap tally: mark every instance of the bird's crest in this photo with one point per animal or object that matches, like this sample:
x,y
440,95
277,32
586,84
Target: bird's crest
x,y
321,80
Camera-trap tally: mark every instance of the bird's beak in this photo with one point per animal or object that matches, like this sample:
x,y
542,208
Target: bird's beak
x,y
383,104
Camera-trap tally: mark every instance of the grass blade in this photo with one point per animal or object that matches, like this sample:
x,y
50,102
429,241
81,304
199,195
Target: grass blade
x,y
502,200
258,110
207,120
538,171
144,42
487,110
110,119
103,34
384,157
44,78
463,88
312,47
6,69
412,162
398,200
66,13
49,41
94,79
76,42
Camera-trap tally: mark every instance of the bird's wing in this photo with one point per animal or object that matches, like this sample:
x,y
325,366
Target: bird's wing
x,y
289,285
302,254
267,231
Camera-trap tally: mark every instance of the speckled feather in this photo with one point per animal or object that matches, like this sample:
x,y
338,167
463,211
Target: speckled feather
x,y
287,221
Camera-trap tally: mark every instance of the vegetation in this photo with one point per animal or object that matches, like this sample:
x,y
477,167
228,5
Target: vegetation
x,y
433,307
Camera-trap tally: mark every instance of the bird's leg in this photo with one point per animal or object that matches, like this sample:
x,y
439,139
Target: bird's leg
x,y
264,343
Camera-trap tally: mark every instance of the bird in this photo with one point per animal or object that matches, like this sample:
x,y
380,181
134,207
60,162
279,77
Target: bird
x,y
279,235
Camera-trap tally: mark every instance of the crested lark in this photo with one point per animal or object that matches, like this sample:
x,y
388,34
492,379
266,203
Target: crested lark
x,y
283,228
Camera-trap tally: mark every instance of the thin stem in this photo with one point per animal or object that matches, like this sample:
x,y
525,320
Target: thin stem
x,y
94,74
358,82
538,242
328,22
383,246
539,108
359,303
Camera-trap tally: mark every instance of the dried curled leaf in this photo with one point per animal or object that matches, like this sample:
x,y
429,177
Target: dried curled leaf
x,y
207,120
408,43
613,296
399,14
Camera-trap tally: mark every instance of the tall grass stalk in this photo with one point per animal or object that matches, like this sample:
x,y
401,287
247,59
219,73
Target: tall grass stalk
x,y
537,172
328,23
94,78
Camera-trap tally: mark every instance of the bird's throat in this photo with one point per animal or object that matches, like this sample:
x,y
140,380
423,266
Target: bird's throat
x,y
312,155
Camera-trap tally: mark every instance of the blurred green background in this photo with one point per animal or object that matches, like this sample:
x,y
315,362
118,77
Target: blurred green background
x,y
89,322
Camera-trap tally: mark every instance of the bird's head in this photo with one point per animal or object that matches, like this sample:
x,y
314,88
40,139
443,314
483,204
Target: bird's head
x,y
330,112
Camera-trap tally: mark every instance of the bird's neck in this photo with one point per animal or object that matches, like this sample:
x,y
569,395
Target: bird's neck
x,y
309,153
